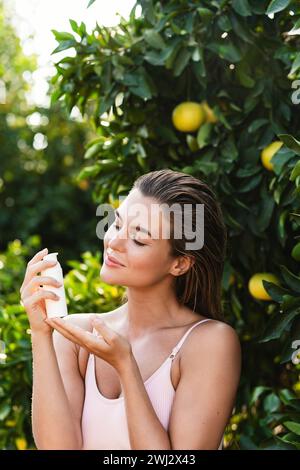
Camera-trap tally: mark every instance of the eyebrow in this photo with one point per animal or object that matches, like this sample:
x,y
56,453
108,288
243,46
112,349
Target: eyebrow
x,y
140,229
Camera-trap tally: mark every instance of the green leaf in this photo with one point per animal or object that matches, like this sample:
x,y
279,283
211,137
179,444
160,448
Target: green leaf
x,y
154,39
291,279
61,36
275,292
181,61
227,51
277,5
206,167
224,23
93,150
64,45
4,411
257,124
296,63
88,172
278,325
203,134
292,426
295,172
251,184
290,142
286,396
91,3
243,77
74,26
295,31
205,14
242,7
290,302
257,392
271,403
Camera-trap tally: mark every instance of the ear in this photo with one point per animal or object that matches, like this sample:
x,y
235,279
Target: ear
x,y
181,265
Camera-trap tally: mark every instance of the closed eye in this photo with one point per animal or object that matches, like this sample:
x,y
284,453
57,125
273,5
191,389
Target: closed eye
x,y
135,241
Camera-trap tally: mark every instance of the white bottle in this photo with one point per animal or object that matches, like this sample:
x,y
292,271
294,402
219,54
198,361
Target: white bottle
x,y
55,308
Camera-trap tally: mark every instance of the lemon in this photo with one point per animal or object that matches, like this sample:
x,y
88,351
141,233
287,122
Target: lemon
x,y
188,116
21,443
10,423
209,114
113,202
256,287
268,152
83,184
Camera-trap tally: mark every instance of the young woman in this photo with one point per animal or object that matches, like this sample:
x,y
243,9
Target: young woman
x,y
162,370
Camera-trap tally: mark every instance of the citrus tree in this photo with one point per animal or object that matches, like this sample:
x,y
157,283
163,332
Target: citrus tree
x,y
210,88
40,156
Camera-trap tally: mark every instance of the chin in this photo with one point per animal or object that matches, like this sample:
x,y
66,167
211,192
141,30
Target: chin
x,y
109,276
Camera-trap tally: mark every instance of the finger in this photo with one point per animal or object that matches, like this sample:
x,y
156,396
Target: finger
x,y
41,294
108,334
74,330
34,269
63,331
38,256
86,338
38,281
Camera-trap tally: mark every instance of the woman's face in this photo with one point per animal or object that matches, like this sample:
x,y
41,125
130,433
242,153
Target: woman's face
x,y
145,257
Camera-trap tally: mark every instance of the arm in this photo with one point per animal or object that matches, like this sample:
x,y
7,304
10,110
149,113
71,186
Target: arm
x,y
204,398
58,392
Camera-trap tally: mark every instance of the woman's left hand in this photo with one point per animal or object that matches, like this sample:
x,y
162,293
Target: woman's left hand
x,y
110,346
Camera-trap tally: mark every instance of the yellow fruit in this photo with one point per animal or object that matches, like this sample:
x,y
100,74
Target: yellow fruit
x,y
256,287
10,423
209,114
188,116
268,152
83,184
113,202
21,443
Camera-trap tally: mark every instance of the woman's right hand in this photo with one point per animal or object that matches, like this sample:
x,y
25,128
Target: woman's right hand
x,y
33,296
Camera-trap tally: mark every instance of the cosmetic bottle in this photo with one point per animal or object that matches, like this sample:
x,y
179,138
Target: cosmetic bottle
x,y
55,308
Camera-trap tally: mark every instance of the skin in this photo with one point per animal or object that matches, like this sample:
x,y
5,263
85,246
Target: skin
x,y
207,366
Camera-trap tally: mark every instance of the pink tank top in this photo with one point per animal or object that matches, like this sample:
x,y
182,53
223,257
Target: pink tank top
x,y
104,421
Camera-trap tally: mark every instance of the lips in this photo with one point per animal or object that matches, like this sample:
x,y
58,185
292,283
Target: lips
x,y
113,260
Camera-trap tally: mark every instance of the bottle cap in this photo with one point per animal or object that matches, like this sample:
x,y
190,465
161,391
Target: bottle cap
x,y
51,257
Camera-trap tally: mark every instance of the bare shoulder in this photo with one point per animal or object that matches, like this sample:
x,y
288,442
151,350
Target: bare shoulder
x,y
210,339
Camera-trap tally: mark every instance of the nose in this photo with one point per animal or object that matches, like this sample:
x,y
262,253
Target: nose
x,y
116,241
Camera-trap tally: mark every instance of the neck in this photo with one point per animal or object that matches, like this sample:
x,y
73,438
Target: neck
x,y
149,309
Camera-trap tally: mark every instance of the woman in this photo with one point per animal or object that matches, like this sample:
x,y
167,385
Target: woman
x,y
162,370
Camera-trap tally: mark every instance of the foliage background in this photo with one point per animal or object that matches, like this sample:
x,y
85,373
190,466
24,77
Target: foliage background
x,y
242,58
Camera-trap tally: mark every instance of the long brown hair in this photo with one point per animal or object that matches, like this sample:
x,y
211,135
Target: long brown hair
x,y
200,287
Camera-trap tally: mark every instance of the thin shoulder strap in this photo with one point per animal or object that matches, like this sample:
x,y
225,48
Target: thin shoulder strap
x,y
181,341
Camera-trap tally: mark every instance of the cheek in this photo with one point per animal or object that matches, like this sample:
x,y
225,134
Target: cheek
x,y
147,259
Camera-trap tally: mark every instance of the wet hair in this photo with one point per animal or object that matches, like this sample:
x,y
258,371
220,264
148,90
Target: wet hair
x,y
200,287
